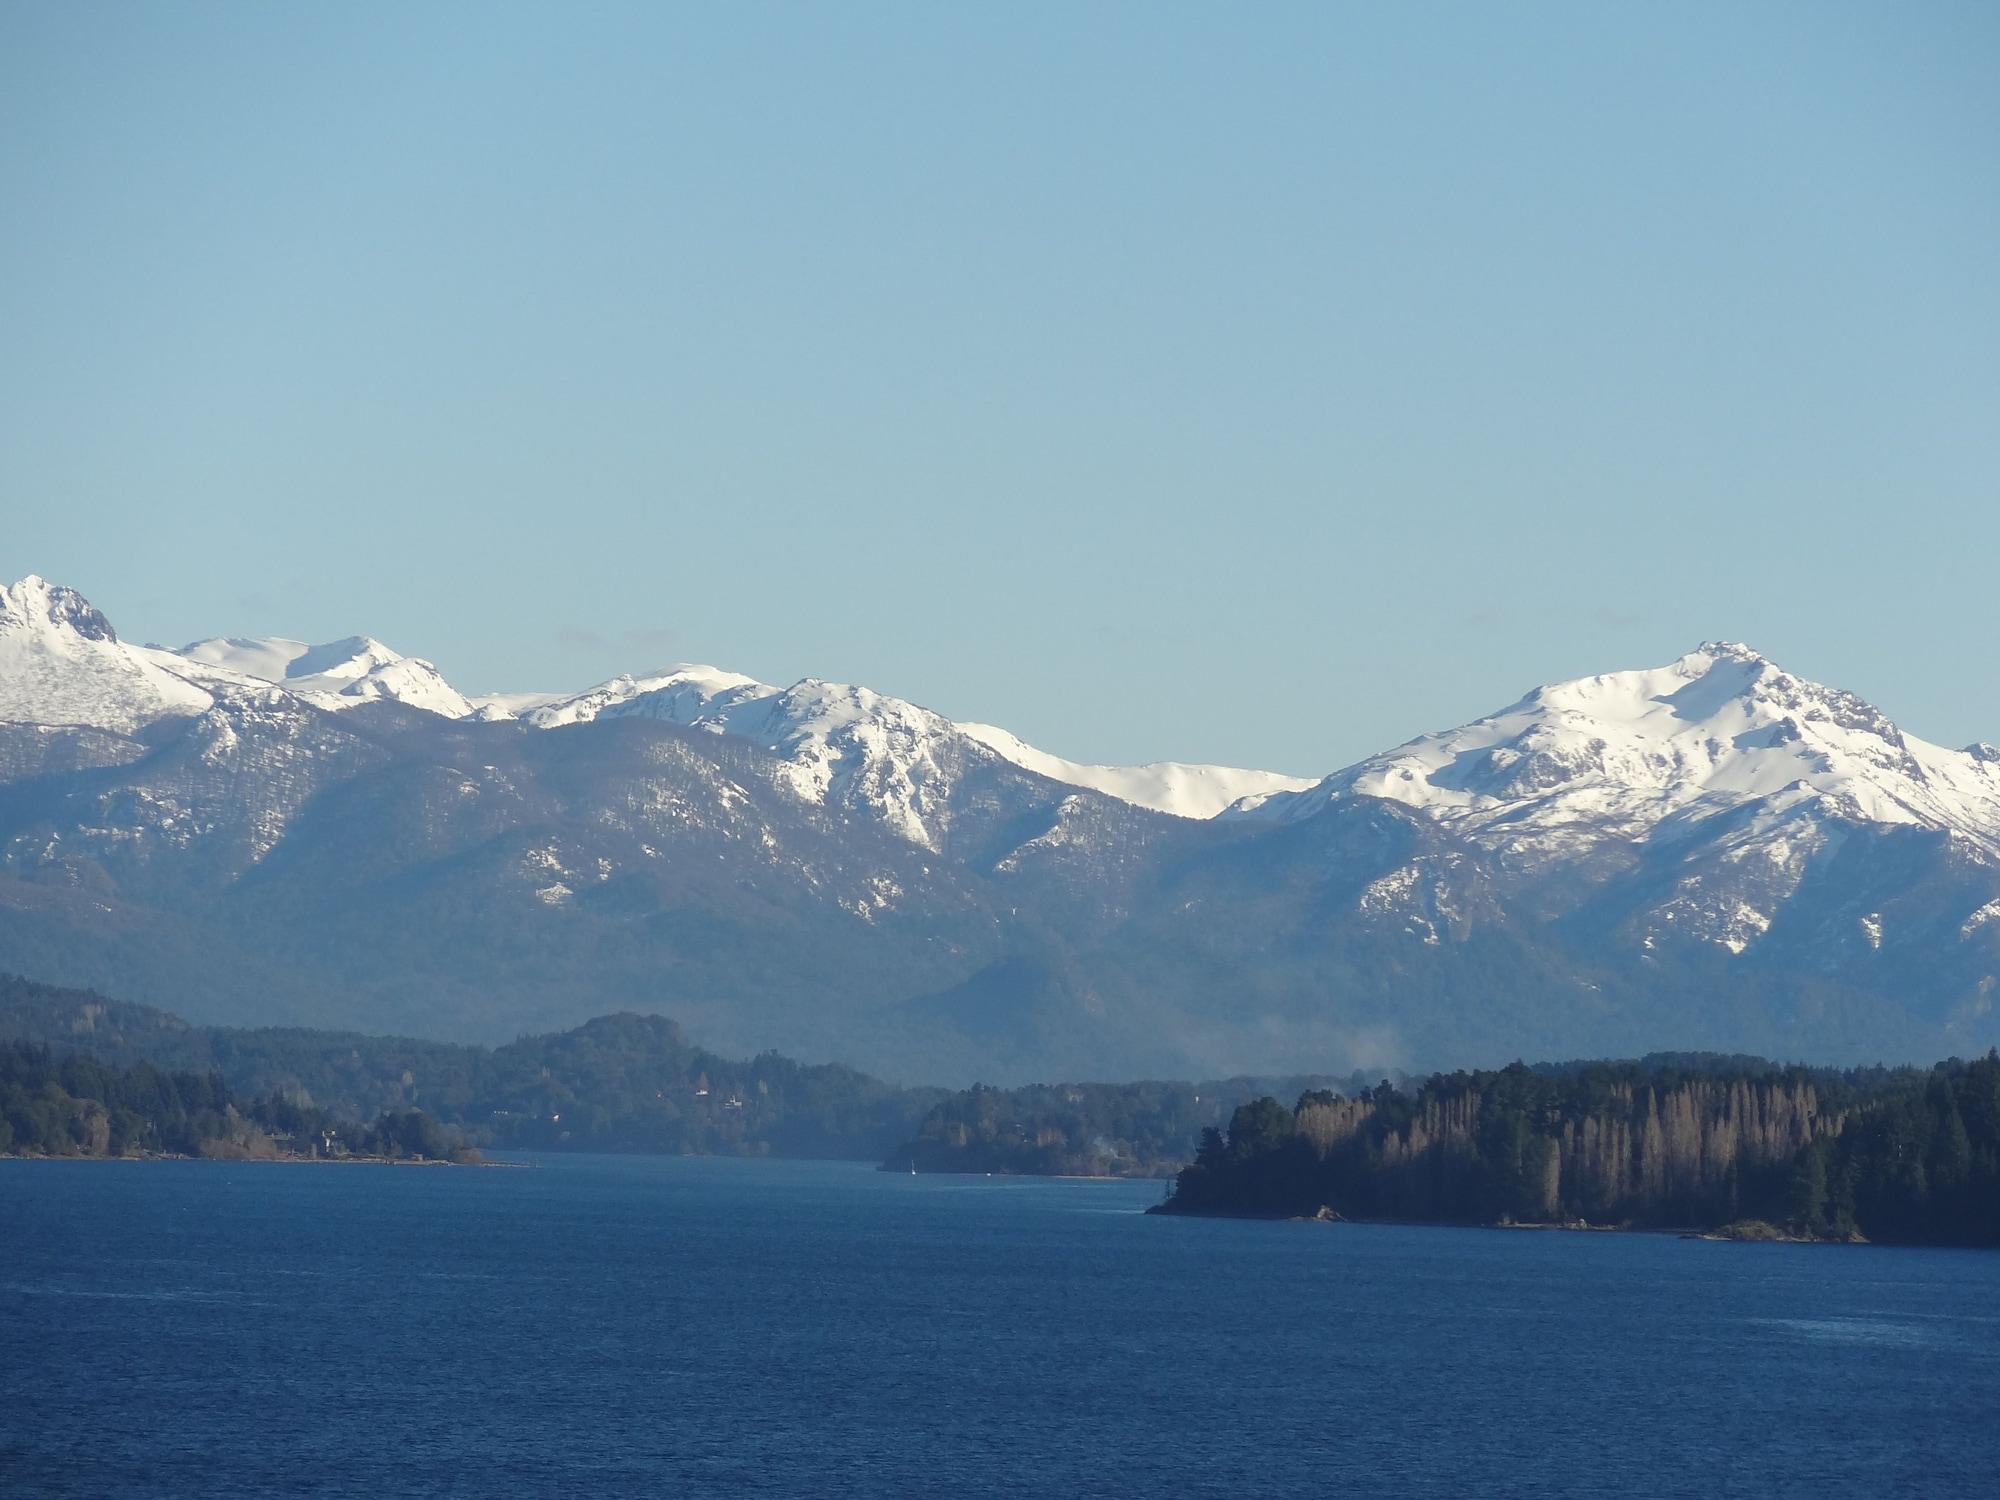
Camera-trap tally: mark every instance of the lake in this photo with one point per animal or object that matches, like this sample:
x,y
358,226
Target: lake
x,y
657,1326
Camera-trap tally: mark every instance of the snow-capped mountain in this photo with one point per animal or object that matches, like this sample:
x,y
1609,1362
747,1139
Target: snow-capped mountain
x,y
843,745
1656,754
837,745
61,663
1727,779
1714,853
855,747
679,695
338,674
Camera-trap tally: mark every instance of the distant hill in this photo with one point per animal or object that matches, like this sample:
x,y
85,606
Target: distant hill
x,y
635,1083
616,1083
354,1074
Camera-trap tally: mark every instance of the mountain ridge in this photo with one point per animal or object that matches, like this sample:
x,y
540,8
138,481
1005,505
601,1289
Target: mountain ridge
x,y
821,721
1523,765
1713,854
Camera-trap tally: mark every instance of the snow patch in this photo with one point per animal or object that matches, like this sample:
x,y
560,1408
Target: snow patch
x,y
1391,892
1182,789
1990,912
336,675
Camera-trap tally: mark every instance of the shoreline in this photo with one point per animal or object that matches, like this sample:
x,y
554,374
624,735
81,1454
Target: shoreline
x,y
1720,1235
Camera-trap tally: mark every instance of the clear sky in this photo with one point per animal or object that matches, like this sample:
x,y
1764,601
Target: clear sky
x,y
1255,384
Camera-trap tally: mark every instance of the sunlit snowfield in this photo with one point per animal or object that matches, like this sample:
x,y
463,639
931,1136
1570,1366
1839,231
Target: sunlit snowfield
x,y
661,1326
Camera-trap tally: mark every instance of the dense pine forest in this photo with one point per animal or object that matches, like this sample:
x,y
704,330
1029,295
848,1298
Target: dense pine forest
x,y
1899,1155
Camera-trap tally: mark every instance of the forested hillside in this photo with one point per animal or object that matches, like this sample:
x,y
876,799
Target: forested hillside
x,y
1899,1155
616,1083
75,1105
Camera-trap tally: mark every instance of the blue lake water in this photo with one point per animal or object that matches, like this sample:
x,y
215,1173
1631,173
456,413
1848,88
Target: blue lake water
x,y
645,1326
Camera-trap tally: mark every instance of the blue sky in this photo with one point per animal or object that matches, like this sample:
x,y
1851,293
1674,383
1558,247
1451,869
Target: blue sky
x,y
1261,385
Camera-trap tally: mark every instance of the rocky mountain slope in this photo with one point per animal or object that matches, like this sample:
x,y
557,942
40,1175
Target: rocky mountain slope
x,y
1708,854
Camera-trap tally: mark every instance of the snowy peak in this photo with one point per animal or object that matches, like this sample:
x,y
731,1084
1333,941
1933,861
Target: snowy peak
x,y
841,743
1710,652
62,663
1176,787
35,604
265,658
862,749
1641,755
337,674
276,659
406,679
836,744
348,660
685,694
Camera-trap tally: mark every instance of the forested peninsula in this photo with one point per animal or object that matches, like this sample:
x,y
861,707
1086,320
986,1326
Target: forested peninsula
x,y
1730,1146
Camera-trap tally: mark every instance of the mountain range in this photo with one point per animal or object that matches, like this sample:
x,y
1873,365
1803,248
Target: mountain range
x,y
1713,854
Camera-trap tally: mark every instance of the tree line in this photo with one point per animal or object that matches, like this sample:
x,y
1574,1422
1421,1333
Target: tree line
x,y
635,1083
1692,1140
1906,1155
1143,1129
77,1105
